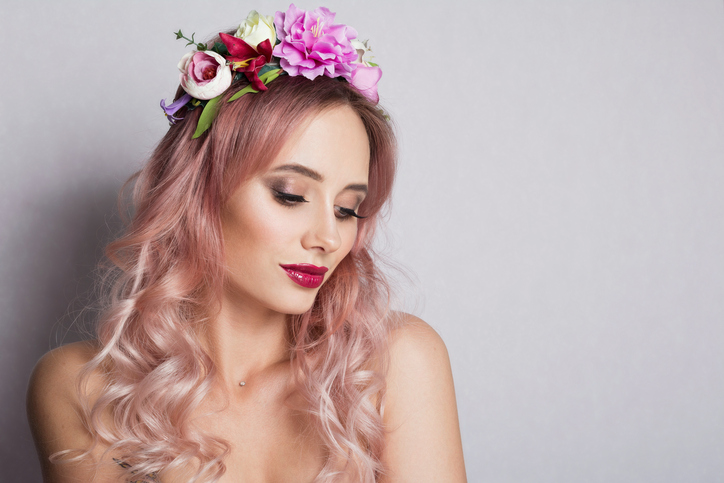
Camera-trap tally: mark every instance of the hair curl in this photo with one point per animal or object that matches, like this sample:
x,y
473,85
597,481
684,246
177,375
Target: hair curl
x,y
169,272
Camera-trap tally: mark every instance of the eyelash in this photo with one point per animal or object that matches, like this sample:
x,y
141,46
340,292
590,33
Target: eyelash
x,y
288,199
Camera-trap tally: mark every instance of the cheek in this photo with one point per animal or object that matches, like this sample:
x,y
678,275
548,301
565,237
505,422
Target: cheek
x,y
349,236
252,228
360,235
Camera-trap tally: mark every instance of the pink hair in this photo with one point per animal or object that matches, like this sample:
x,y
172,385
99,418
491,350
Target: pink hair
x,y
169,269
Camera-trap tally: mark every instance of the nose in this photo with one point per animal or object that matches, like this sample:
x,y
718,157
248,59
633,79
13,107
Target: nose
x,y
323,232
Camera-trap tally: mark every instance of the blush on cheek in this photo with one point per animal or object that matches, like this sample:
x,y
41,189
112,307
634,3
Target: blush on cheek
x,y
250,216
349,241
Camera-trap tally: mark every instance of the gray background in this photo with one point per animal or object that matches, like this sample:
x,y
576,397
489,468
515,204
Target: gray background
x,y
560,205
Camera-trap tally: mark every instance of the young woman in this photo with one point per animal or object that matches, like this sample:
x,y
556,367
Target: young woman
x,y
248,336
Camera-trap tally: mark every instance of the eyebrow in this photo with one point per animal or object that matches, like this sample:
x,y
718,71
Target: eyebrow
x,y
310,173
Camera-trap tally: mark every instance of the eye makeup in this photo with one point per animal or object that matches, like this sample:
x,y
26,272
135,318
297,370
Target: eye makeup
x,y
288,199
283,193
349,212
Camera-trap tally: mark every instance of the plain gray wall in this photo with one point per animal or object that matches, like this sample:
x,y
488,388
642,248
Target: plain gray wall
x,y
560,203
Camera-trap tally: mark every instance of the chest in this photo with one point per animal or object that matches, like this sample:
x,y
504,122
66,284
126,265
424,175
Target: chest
x,y
271,440
271,444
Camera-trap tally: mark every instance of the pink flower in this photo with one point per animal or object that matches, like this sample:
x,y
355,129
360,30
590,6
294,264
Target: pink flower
x,y
204,75
365,79
366,75
312,45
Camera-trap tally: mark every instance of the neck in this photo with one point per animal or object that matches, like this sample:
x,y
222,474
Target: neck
x,y
245,342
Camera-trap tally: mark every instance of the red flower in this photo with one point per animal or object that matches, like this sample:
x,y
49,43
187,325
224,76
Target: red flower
x,y
244,58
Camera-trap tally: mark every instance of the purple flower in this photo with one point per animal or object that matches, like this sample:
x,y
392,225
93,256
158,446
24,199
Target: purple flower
x,y
174,106
312,45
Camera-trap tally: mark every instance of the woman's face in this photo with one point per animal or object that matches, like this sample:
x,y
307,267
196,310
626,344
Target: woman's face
x,y
283,227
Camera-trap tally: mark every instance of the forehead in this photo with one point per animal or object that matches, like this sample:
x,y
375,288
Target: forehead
x,y
333,143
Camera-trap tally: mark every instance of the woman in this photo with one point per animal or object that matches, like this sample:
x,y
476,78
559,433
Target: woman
x,y
248,337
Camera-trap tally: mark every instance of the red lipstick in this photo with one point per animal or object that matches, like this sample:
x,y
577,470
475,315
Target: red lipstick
x,y
305,274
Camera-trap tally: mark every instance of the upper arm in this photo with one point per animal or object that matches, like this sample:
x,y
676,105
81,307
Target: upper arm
x,y
54,415
423,434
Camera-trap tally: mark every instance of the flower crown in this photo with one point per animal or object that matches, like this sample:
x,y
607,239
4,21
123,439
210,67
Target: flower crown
x,y
295,42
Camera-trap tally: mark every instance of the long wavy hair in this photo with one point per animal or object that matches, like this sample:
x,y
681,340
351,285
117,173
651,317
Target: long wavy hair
x,y
168,276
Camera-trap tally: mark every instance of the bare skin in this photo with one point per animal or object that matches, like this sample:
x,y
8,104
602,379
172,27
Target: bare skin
x,y
270,440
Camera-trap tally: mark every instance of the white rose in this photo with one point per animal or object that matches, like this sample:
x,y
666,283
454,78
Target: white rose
x,y
256,29
362,50
204,75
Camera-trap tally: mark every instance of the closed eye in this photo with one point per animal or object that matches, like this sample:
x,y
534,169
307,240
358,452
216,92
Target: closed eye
x,y
348,213
288,199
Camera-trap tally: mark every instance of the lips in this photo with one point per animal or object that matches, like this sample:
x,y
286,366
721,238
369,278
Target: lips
x,y
305,274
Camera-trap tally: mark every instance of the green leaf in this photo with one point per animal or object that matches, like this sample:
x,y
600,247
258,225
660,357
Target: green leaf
x,y
266,68
191,40
373,64
220,49
179,34
245,90
207,116
269,76
272,77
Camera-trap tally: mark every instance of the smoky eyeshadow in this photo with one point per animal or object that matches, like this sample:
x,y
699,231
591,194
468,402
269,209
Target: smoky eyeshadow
x,y
279,185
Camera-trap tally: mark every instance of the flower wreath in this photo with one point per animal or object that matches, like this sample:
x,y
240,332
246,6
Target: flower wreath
x,y
295,42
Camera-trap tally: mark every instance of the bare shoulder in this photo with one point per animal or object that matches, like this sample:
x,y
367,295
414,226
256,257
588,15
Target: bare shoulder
x,y
66,357
56,373
413,337
53,408
423,433
417,354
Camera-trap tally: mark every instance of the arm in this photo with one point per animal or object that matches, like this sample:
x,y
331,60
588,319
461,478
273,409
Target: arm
x,y
53,414
421,420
